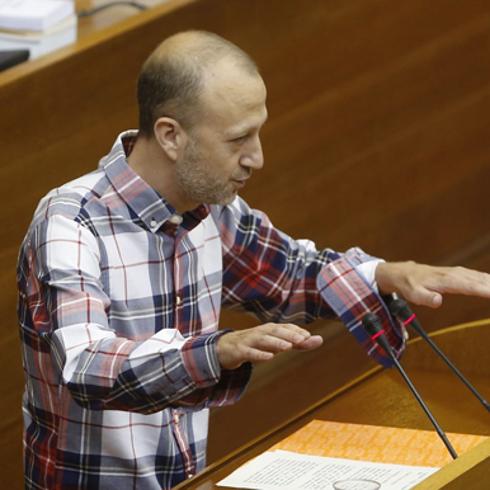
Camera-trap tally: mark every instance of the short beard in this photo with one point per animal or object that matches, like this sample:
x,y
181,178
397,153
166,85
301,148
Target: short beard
x,y
196,182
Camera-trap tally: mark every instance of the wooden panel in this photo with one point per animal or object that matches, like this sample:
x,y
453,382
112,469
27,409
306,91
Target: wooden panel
x,y
470,470
378,136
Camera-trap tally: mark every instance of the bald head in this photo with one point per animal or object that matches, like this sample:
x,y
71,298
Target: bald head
x,y
176,75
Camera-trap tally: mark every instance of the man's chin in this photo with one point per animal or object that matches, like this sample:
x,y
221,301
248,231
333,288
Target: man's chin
x,y
218,198
228,199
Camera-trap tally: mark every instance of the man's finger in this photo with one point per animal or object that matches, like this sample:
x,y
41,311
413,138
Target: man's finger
x,y
253,354
425,297
287,331
270,343
311,343
466,281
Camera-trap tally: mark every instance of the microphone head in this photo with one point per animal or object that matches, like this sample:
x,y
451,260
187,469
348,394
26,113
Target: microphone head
x,y
371,324
374,328
399,308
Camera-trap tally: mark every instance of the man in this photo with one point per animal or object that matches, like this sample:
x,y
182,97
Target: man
x,y
123,272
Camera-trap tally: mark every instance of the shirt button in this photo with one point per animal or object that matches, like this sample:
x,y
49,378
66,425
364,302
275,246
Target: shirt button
x,y
153,223
190,475
176,219
178,300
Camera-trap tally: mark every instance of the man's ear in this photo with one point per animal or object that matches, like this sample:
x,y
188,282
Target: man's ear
x,y
170,136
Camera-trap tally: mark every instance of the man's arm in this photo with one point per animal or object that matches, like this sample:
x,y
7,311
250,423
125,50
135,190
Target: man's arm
x,y
421,284
64,311
280,279
268,273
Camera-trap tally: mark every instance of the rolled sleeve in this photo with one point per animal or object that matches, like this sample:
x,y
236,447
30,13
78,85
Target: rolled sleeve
x,y
351,297
216,386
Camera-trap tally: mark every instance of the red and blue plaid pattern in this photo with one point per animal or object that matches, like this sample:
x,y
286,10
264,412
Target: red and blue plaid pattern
x,y
119,307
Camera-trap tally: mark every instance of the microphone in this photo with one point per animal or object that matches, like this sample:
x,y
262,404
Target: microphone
x,y
400,309
373,327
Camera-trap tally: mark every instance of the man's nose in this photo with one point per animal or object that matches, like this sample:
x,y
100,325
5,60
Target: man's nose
x,y
254,157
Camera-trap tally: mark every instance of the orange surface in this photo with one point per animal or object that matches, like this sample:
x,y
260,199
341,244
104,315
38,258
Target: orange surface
x,y
374,443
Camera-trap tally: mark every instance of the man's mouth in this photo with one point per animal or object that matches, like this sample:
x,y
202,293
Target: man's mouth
x,y
239,182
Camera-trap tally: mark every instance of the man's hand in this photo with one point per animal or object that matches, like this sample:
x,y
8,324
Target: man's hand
x,y
424,284
259,344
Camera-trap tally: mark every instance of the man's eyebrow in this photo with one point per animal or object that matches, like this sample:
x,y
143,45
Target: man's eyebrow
x,y
238,130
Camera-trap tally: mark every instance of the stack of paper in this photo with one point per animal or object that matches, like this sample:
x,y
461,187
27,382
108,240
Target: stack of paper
x,y
39,26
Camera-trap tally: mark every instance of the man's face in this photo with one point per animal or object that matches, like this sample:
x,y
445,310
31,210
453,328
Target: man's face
x,y
224,147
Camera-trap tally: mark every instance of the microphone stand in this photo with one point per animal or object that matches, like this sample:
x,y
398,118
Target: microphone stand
x,y
374,329
400,309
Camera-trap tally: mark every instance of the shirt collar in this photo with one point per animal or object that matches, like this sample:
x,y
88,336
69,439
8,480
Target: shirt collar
x,y
142,199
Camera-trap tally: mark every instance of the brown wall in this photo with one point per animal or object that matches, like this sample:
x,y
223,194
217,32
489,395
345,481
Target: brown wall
x,y
378,136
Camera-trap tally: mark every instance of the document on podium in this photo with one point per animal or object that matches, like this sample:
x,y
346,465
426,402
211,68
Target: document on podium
x,y
285,470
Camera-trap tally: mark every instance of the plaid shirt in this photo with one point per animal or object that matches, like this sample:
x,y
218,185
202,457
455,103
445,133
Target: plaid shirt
x,y
119,306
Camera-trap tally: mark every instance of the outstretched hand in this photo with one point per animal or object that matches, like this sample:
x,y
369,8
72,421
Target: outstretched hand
x,y
262,343
424,284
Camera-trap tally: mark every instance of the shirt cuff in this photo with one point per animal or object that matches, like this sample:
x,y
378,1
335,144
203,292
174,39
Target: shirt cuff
x,y
349,295
368,271
216,386
201,359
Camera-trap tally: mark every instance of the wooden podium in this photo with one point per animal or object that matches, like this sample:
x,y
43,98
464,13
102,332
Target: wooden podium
x,y
469,471
380,397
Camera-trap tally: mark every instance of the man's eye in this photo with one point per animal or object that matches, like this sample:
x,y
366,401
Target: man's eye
x,y
240,139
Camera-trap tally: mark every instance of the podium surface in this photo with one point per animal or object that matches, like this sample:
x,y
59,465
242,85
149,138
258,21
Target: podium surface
x,y
380,397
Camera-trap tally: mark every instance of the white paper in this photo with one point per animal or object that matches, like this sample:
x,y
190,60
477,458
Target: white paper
x,y
274,470
35,15
40,44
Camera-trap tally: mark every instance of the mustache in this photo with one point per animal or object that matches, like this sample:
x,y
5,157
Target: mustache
x,y
245,176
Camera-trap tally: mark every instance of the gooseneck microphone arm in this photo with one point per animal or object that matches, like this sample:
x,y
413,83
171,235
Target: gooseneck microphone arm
x,y
375,330
400,309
